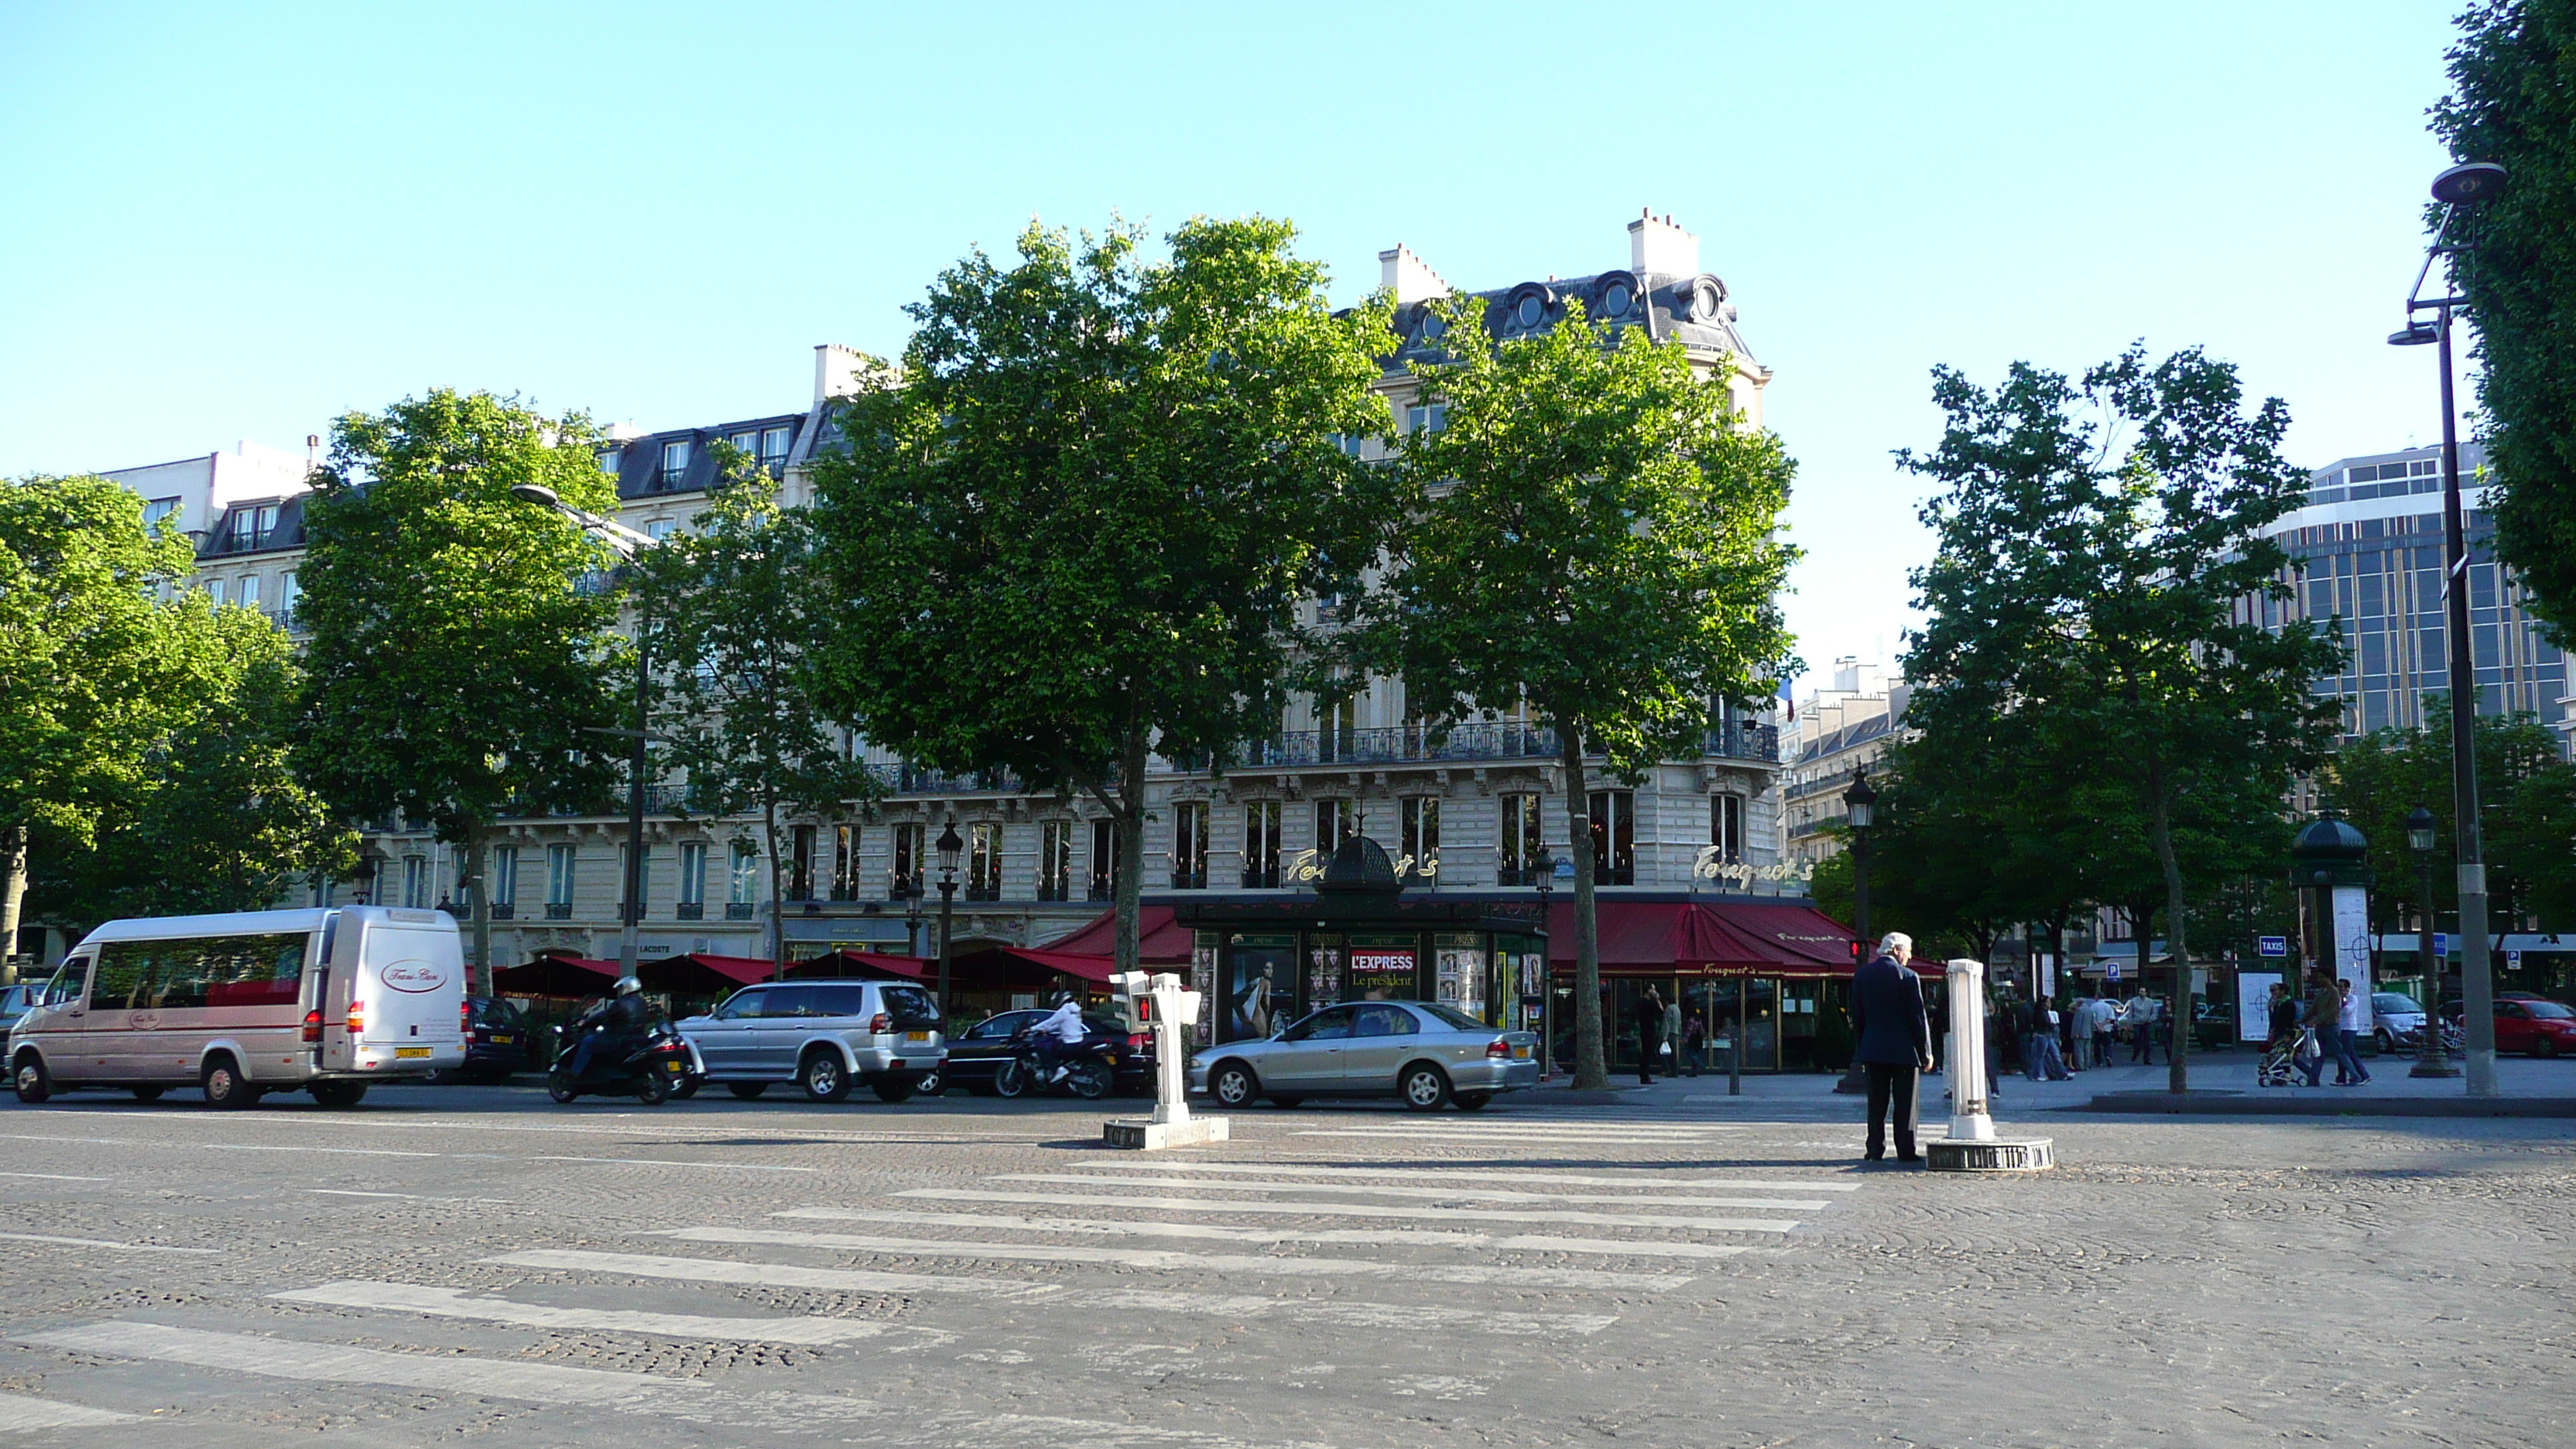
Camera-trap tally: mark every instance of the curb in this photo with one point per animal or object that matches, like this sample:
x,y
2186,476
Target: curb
x,y
2195,1104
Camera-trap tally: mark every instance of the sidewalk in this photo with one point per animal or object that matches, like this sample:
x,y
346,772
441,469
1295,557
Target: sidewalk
x,y
2222,1083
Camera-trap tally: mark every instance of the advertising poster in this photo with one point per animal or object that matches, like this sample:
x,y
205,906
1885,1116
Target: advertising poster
x,y
1259,992
2352,944
1323,972
1381,973
2254,1004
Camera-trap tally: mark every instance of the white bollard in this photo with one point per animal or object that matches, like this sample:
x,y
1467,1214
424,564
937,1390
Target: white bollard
x,y
1972,1145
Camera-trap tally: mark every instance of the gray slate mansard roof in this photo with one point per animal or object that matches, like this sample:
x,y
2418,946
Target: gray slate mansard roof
x,y
1694,309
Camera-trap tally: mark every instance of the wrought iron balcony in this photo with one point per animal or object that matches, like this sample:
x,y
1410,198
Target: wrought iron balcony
x,y
558,910
693,910
1487,740
504,910
907,779
740,910
1189,880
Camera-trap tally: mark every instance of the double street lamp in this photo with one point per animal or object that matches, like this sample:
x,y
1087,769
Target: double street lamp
x,y
949,847
1860,812
2464,185
626,543
1545,866
2430,1059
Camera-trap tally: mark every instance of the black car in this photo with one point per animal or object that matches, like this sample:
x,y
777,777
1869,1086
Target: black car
x,y
977,1052
498,1039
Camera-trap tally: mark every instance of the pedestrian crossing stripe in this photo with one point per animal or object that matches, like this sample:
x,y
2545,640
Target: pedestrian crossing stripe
x,y
1382,1189
1355,1210
1457,1238
1342,1168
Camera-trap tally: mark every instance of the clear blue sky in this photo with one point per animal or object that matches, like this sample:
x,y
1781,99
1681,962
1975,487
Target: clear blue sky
x,y
237,221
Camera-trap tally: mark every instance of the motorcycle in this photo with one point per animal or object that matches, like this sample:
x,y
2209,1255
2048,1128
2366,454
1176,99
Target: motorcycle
x,y
1090,1068
662,1066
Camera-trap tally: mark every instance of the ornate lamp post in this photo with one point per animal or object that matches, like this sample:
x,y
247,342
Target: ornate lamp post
x,y
364,878
949,846
1545,865
2460,186
2430,1059
1860,811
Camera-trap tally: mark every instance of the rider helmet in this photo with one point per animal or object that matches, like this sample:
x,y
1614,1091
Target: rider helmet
x,y
628,986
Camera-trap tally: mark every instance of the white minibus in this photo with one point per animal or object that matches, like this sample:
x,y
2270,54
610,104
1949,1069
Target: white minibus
x,y
323,1001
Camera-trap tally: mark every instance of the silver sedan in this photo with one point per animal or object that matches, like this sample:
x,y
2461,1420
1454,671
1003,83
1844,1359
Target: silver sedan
x,y
1424,1053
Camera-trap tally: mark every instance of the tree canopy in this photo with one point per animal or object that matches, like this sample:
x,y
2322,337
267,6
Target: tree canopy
x,y
1076,526
461,641
2514,102
1592,530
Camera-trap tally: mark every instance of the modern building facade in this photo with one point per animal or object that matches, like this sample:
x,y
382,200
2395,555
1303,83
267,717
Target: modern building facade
x,y
1474,808
2369,541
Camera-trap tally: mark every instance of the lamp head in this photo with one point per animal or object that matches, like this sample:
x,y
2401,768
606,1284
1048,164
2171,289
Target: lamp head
x,y
1861,800
2419,831
2417,334
949,846
2468,183
536,493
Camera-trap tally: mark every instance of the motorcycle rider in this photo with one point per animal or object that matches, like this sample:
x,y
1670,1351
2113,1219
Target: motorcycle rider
x,y
1057,1034
620,1023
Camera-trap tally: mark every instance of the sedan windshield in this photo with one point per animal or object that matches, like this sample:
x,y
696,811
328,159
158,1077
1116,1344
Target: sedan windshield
x,y
2548,1010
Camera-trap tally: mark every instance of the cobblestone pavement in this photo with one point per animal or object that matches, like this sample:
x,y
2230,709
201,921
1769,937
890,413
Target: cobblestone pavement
x,y
475,1264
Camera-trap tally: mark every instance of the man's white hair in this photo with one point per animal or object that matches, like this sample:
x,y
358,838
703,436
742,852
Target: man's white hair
x,y
1893,942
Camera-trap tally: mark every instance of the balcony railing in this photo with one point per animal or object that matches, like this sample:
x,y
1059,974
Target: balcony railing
x,y
1264,879
1102,889
504,910
740,910
988,892
693,910
1053,890
922,780
558,910
1189,880
1502,740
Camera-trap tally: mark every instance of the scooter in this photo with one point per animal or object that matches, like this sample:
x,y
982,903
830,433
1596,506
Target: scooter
x,y
1090,1069
663,1066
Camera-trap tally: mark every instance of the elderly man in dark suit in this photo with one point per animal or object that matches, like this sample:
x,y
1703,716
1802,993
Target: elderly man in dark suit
x,y
1895,1041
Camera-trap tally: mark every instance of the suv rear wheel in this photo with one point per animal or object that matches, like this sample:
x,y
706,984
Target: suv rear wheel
x,y
895,1087
822,1077
746,1090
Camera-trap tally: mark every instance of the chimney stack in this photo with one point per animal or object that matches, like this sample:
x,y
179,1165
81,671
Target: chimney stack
x,y
1408,277
836,372
1657,246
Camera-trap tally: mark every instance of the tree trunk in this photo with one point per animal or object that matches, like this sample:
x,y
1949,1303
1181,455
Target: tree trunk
x,y
777,913
1129,830
2160,832
1591,1068
13,894
480,910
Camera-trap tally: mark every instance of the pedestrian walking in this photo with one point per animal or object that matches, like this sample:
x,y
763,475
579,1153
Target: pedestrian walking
x,y
2100,1017
1895,1042
1936,1013
1649,1014
2324,1008
2141,1016
2044,1062
1694,1041
2280,1040
2349,1006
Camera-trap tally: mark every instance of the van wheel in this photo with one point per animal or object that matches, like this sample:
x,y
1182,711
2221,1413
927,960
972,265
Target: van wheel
x,y
339,1094
221,1080
747,1090
822,1078
1424,1087
34,1083
894,1088
147,1094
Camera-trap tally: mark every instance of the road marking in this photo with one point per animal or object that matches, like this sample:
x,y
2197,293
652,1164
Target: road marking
x,y
221,1146
287,1358
1380,1189
1355,1210
1492,1174
102,1243
1552,1139
668,1162
1228,1233
20,1414
410,1196
55,1176
1589,1278
1222,1305
453,1303
1527,1128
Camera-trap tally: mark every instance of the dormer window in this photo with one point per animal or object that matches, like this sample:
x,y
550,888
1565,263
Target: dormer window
x,y
675,461
773,445
747,442
1616,299
157,510
608,460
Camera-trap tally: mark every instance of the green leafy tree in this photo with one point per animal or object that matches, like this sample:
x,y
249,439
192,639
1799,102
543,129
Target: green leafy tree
x,y
2514,70
2097,544
735,618
220,822
1078,524
458,665
95,670
1594,531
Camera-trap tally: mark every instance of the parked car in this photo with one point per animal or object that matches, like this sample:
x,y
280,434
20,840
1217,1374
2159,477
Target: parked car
x,y
976,1053
14,1001
1424,1053
2399,1016
825,1036
2542,1028
498,1040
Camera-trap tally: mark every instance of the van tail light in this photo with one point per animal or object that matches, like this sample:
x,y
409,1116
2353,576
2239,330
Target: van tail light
x,y
357,1018
313,1024
881,1023
464,1016
1498,1047
1140,1041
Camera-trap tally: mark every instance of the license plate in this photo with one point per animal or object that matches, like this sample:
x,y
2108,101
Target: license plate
x,y
411,1051
1520,1053
916,1036
674,1066
502,1038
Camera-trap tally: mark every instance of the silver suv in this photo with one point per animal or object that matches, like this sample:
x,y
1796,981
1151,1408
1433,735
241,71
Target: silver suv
x,y
823,1036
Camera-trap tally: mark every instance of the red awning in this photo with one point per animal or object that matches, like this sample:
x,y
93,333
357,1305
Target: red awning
x,y
699,974
549,975
1089,968
861,965
1160,939
1729,938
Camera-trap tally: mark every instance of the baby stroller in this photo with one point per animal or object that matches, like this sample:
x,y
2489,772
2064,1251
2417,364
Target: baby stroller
x,y
2280,1059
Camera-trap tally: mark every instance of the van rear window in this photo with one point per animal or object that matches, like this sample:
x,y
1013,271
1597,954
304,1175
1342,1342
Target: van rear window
x,y
200,971
909,1006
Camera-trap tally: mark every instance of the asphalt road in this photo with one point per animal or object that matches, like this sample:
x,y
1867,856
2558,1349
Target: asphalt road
x,y
450,1265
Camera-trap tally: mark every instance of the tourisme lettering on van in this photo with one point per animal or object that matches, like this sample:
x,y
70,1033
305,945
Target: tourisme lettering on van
x,y
324,1001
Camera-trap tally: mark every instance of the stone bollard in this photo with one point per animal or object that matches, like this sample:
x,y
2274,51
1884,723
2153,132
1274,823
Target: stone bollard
x,y
1166,1005
1972,1145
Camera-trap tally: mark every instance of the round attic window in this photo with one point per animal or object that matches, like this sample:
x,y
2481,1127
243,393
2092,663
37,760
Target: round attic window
x,y
1616,299
1530,311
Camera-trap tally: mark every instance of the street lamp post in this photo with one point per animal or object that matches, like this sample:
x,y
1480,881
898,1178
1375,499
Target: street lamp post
x,y
2430,1059
626,543
1545,865
949,846
1860,811
2460,186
